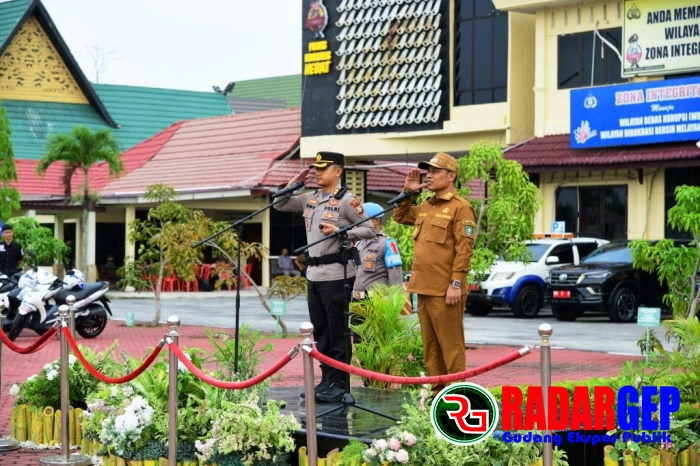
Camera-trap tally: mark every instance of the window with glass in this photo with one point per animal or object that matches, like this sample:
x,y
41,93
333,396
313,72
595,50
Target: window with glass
x,y
584,60
481,51
593,211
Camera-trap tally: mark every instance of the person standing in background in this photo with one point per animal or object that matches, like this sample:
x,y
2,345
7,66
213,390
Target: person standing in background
x,y
444,231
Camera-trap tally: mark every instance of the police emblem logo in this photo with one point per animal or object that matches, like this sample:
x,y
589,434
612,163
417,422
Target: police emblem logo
x,y
370,256
307,213
329,215
358,206
445,210
368,265
313,201
319,157
333,202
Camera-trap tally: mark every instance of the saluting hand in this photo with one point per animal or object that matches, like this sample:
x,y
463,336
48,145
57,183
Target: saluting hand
x,y
413,181
303,175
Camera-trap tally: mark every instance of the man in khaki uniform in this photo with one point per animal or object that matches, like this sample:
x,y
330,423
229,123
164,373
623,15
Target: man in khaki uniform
x,y
325,211
444,230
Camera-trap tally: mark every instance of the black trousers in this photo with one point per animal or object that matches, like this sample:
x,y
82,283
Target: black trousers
x,y
329,315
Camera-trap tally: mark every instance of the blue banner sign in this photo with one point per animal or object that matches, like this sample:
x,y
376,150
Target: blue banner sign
x,y
639,113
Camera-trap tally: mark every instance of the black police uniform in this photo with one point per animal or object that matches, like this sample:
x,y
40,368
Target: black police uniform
x,y
10,256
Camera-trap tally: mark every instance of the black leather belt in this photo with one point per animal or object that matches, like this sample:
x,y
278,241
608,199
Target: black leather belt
x,y
333,258
345,257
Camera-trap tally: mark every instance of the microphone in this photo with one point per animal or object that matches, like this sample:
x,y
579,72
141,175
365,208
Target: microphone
x,y
406,194
288,189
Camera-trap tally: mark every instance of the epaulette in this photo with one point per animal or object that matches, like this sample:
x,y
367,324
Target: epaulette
x,y
340,192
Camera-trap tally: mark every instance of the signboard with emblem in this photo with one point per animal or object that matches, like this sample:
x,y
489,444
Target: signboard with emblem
x,y
638,113
660,37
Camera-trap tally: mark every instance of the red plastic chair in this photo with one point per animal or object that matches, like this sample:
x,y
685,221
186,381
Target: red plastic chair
x,y
205,271
192,286
171,282
245,281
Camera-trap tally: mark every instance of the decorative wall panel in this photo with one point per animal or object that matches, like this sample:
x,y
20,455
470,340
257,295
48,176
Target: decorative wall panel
x,y
389,68
32,69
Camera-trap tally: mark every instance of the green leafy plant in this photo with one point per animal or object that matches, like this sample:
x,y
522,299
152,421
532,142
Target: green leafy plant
x,y
389,343
9,196
353,452
44,389
38,239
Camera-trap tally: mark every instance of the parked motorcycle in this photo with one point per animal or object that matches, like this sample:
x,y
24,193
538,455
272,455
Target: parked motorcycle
x,y
9,293
38,288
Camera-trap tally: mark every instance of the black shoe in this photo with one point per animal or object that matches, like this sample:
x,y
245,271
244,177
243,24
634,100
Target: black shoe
x,y
332,395
336,391
325,384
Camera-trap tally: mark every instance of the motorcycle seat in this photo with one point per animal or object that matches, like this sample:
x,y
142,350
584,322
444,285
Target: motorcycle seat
x,y
87,290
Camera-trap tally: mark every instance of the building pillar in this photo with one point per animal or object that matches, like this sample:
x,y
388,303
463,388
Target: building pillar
x,y
79,244
58,268
91,247
129,246
266,241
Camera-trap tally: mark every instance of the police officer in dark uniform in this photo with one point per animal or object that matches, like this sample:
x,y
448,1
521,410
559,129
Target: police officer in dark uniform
x,y
11,253
325,211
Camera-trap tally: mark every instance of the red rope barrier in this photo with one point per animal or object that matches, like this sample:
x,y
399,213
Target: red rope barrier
x,y
434,380
97,374
229,385
38,344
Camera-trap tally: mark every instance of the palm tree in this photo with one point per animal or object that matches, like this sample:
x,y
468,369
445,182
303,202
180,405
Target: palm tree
x,y
79,150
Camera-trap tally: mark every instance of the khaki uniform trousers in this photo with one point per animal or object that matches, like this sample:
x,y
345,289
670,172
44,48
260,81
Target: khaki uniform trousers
x,y
442,328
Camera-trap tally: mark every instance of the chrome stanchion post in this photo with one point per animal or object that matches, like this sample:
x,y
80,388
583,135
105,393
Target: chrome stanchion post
x,y
70,301
173,335
9,444
307,329
65,457
545,331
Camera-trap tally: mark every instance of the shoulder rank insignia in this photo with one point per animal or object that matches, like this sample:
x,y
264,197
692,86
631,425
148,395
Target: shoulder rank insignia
x,y
448,196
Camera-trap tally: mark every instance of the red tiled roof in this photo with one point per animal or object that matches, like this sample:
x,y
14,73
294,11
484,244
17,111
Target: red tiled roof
x,y
29,183
229,152
554,151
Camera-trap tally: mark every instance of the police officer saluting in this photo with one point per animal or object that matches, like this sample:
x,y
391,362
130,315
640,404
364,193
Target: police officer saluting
x,y
325,211
11,253
381,261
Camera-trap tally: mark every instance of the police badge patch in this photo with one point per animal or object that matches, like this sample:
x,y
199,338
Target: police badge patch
x,y
358,206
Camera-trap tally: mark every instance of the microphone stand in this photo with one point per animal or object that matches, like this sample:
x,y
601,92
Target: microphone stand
x,y
348,400
238,225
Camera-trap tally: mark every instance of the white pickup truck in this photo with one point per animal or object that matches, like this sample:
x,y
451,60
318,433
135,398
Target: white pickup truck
x,y
521,286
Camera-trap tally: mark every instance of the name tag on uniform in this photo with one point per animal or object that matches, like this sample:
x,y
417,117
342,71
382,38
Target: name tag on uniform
x,y
2,248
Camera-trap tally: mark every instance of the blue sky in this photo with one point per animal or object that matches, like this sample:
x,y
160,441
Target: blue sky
x,y
182,44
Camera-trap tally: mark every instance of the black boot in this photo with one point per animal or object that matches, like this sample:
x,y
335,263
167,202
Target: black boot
x,y
336,391
326,381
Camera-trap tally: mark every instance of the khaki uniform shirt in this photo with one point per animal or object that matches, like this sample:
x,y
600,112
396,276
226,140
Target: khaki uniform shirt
x,y
318,208
444,230
373,268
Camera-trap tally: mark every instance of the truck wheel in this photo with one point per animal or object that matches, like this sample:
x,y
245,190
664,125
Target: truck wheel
x,y
528,302
564,314
623,306
479,310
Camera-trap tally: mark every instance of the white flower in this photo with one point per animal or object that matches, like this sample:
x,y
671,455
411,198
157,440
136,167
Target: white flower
x,y
127,390
52,374
390,456
71,359
380,445
114,391
32,377
14,391
408,438
402,456
48,366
